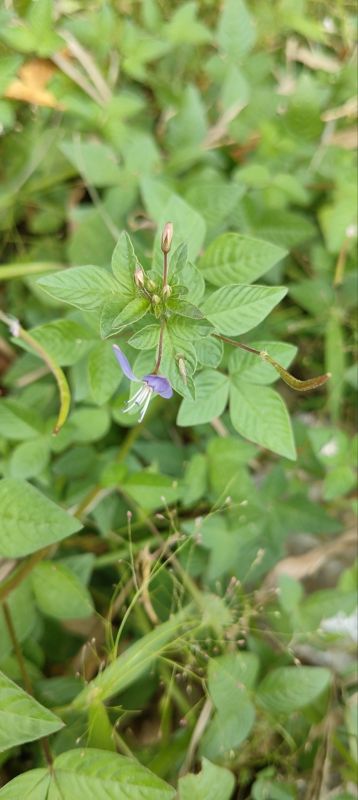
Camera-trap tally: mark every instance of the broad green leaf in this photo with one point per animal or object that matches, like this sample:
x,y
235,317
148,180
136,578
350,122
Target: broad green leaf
x,y
260,414
236,32
178,362
287,689
136,660
59,593
104,375
189,225
92,773
250,367
29,520
95,161
23,614
209,351
100,728
18,422
233,258
236,309
184,28
84,287
132,312
124,263
229,677
64,339
32,785
89,424
29,459
22,718
192,278
151,491
211,394
89,773
145,339
211,783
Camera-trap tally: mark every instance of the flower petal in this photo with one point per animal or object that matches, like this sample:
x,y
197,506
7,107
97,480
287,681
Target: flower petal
x,y
159,385
124,363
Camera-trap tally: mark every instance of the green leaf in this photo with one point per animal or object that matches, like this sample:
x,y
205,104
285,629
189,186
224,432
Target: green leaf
x,y
30,520
211,783
189,225
29,459
84,287
95,161
185,309
228,677
23,614
178,361
146,339
97,773
132,312
184,28
233,258
28,786
89,773
18,422
335,363
104,375
90,424
236,309
250,367
209,351
59,593
148,490
211,392
135,661
65,340
236,32
22,718
260,414
124,263
288,689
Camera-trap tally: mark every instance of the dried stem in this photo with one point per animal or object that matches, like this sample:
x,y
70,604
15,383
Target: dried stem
x,y
294,383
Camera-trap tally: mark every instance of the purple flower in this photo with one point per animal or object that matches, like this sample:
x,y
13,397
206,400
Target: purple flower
x,y
149,384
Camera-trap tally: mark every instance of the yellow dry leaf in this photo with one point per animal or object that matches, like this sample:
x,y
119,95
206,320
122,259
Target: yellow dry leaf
x,y
31,82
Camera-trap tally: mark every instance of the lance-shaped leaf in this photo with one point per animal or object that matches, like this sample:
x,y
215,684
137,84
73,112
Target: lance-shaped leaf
x,y
22,718
233,258
84,287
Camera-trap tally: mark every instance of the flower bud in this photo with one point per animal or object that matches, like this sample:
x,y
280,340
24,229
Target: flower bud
x,y
167,290
150,285
155,299
167,237
139,276
182,370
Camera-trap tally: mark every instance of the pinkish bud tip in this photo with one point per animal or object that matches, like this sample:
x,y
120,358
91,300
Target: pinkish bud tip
x,y
167,237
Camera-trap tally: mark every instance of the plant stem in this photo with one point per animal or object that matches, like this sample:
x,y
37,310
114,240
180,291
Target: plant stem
x,y
237,344
165,270
64,390
21,572
160,345
25,676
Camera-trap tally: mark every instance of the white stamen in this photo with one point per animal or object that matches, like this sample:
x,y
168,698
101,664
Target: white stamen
x,y
146,403
137,399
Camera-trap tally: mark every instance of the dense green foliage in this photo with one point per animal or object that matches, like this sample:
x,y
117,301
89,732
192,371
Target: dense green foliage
x,y
177,594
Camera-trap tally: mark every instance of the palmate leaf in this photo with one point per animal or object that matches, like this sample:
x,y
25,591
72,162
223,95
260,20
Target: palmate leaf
x,y
22,719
